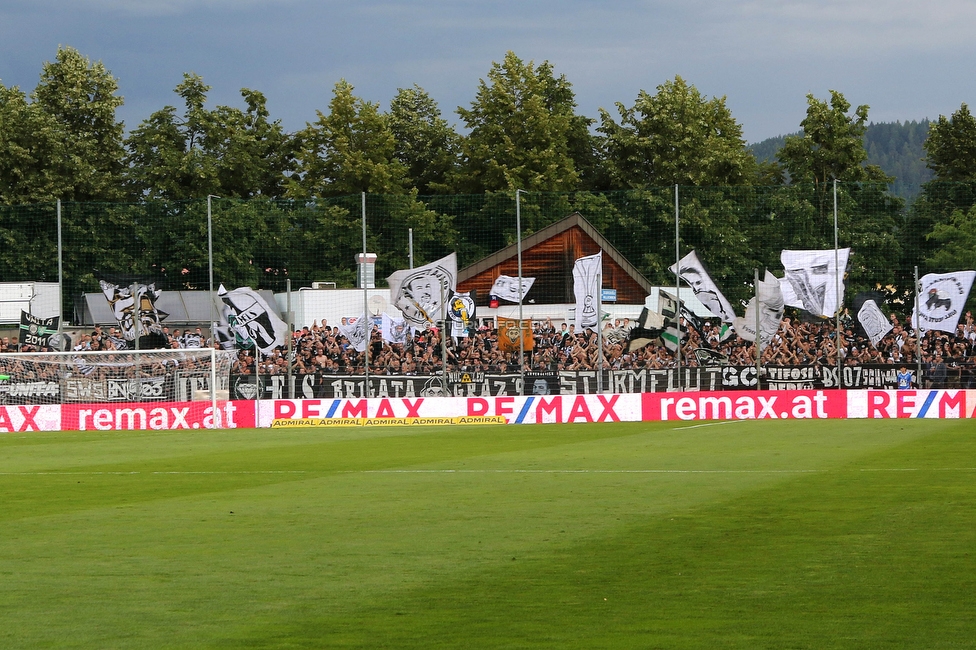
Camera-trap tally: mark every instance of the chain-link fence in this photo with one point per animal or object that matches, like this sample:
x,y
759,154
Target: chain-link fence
x,y
735,232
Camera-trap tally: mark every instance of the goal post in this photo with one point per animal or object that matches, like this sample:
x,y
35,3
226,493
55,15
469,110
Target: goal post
x,y
180,375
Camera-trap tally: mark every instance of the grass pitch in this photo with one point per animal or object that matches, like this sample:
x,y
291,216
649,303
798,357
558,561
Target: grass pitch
x,y
767,534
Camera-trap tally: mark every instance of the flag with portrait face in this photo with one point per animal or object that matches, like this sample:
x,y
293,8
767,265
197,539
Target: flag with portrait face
x,y
814,280
394,330
507,288
133,304
690,269
869,317
421,294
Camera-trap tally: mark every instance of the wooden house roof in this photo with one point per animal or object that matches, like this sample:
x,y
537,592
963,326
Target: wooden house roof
x,y
548,255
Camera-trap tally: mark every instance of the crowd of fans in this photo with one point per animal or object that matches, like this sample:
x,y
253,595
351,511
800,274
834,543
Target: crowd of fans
x,y
947,358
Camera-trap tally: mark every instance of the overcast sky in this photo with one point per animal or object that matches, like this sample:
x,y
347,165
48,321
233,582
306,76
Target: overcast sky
x,y
908,60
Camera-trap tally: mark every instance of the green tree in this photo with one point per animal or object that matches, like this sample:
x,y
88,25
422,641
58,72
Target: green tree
x,y
956,243
65,143
81,98
225,151
831,145
349,151
951,146
523,131
675,137
424,142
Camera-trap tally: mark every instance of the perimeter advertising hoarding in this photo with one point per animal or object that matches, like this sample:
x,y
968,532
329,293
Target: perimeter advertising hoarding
x,y
912,404
529,409
746,405
136,416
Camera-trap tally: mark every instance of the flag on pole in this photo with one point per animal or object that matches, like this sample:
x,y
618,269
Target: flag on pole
x,y
941,299
462,313
247,320
690,269
421,294
507,288
394,330
356,330
136,313
510,333
38,331
869,317
648,329
771,309
813,278
587,278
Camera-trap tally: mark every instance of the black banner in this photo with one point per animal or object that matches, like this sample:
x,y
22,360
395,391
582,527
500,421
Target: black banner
x,y
565,382
38,331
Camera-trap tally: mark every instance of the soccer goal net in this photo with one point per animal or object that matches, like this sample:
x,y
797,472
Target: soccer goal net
x,y
116,376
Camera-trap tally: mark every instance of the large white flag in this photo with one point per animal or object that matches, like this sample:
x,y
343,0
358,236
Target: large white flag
x,y
394,329
813,278
421,294
249,320
771,309
587,278
507,288
690,269
357,331
941,299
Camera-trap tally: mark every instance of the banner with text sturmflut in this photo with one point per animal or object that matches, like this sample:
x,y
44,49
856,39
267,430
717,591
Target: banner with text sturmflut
x,y
472,384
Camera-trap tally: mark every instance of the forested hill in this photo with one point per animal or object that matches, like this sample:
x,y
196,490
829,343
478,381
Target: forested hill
x,y
896,147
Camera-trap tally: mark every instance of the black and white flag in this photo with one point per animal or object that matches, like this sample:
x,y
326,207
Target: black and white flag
x,y
132,303
648,330
249,321
421,294
587,278
771,308
507,288
394,330
813,279
357,331
38,331
690,269
941,299
462,312
869,317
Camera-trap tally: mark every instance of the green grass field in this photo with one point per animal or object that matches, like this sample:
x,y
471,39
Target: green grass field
x,y
800,534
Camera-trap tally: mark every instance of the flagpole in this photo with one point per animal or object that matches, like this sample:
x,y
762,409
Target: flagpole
x,y
837,271
410,237
599,325
758,336
918,335
518,240
367,322
213,333
677,279
60,281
